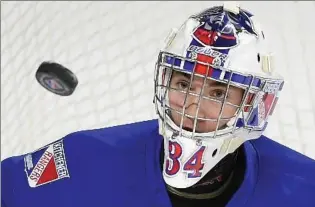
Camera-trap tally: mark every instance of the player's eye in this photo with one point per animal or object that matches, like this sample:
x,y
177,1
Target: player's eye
x,y
182,85
218,94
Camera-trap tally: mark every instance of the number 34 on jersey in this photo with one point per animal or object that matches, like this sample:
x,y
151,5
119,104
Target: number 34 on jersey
x,y
193,165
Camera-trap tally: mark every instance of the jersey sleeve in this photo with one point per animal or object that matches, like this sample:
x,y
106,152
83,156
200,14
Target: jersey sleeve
x,y
9,168
21,174
84,168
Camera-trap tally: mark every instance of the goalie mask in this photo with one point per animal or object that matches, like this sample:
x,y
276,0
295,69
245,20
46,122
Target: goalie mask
x,y
214,89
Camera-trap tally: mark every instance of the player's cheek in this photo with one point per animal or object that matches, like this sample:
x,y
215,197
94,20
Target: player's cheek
x,y
212,107
176,99
228,113
213,112
175,104
176,118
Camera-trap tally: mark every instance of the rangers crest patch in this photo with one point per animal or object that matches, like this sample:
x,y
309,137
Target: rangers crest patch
x,y
46,165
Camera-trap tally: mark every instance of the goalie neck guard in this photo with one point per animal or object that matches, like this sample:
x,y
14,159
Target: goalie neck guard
x,y
221,44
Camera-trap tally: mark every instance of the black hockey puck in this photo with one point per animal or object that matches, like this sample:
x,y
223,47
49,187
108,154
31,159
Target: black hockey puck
x,y
56,78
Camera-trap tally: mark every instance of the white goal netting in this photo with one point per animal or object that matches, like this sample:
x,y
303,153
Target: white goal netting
x,y
112,48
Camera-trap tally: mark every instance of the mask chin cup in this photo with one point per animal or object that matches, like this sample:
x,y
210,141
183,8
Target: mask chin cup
x,y
231,122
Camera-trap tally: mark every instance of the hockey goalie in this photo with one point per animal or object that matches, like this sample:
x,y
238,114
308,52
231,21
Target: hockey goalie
x,y
215,89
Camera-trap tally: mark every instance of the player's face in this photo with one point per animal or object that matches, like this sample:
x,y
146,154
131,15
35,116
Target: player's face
x,y
208,108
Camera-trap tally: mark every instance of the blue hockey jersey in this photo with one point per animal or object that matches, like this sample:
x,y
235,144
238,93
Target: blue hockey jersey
x,y
120,167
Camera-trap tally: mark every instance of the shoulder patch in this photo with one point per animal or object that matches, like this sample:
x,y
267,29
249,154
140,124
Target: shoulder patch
x,y
46,165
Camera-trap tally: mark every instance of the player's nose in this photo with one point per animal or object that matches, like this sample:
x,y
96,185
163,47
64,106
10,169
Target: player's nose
x,y
194,107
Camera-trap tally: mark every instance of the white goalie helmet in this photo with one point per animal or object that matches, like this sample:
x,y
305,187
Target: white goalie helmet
x,y
226,45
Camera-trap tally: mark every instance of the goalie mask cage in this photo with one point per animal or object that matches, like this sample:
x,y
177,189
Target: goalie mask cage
x,y
112,48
